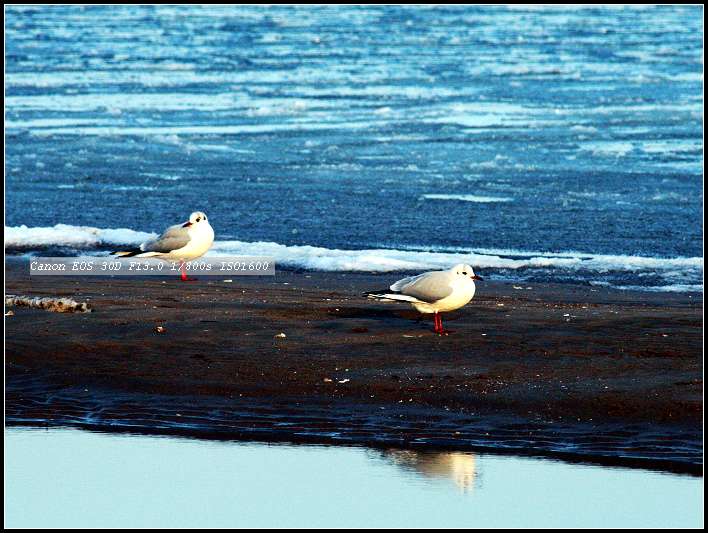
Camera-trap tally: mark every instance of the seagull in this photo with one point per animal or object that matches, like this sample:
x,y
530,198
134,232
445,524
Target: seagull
x,y
181,242
433,292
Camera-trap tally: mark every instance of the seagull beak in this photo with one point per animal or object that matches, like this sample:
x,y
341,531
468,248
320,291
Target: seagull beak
x,y
186,224
477,277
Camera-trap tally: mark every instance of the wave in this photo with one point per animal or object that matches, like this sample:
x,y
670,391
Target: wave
x,y
678,287
467,198
682,274
387,260
598,262
22,238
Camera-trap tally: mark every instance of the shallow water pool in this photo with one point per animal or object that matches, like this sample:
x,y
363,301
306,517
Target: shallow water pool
x,y
73,478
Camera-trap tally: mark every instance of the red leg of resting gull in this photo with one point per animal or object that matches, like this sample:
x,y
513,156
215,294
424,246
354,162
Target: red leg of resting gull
x,y
439,325
184,272
436,320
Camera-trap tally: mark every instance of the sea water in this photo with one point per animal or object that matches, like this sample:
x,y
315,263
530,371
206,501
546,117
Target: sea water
x,y
536,143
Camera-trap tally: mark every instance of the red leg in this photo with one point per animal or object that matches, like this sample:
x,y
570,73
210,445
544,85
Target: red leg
x,y
437,320
183,270
441,330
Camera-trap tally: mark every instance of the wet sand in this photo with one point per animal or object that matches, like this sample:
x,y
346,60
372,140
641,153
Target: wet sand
x,y
578,372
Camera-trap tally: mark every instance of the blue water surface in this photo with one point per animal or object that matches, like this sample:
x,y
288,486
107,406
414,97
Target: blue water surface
x,y
542,129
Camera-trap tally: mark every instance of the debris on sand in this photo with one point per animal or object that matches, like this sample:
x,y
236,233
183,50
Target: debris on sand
x,y
56,305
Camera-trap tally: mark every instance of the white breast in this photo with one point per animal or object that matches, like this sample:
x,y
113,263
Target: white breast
x,y
462,293
201,239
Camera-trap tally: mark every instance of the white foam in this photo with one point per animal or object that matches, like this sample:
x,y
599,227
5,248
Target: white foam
x,y
676,287
387,260
122,101
672,146
172,132
609,148
81,237
598,262
467,198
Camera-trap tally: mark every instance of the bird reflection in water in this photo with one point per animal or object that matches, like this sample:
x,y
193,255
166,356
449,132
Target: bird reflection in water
x,y
460,467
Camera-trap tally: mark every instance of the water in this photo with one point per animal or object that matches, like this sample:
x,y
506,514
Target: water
x,y
69,478
545,144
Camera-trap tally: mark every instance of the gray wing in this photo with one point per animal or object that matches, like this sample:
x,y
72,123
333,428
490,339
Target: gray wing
x,y
406,281
174,238
429,287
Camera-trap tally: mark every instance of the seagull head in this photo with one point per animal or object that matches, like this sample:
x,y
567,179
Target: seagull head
x,y
465,270
195,218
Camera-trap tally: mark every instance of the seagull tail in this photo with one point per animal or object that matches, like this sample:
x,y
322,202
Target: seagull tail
x,y
135,252
388,295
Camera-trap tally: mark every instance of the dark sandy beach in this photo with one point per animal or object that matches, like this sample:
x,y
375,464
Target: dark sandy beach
x,y
577,372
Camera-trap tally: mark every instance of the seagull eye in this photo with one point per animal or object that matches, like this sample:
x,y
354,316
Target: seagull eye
x,y
197,219
464,273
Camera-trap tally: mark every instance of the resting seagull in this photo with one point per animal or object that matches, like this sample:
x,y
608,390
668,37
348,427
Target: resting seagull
x,y
433,292
181,242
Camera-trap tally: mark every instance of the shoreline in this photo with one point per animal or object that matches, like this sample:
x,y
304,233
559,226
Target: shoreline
x,y
327,426
580,373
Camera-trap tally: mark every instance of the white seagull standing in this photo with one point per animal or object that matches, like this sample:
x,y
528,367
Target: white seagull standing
x,y
181,242
433,292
